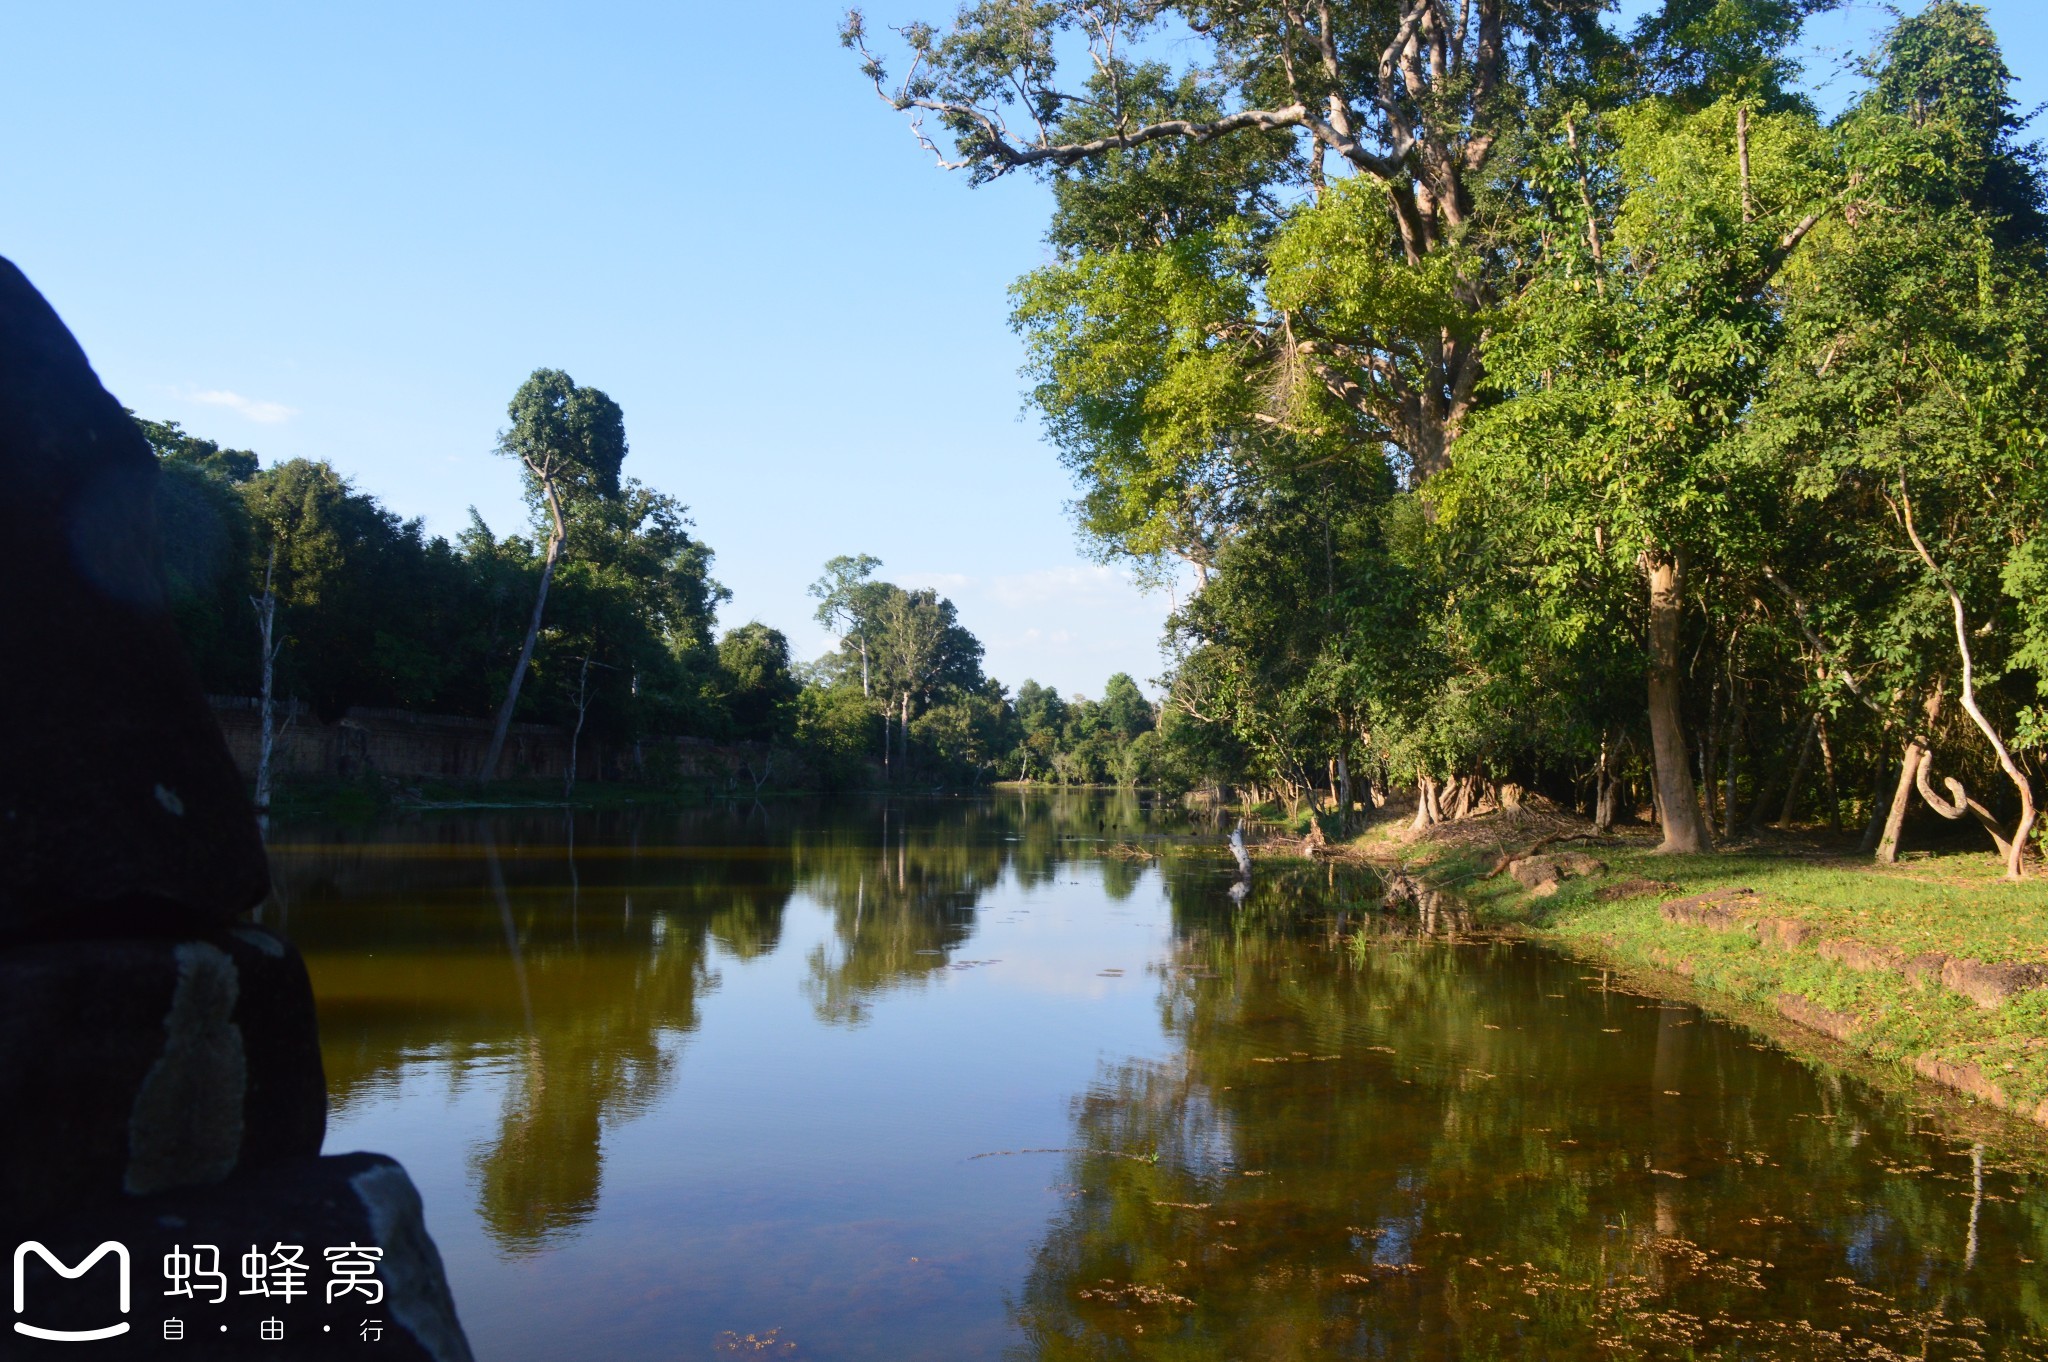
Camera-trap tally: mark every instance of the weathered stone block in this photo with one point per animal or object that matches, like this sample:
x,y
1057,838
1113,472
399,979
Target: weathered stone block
x,y
139,1065
116,794
1633,888
1964,1078
1716,911
1531,871
1861,955
1827,1021
1989,985
1925,968
360,1200
1581,864
1786,933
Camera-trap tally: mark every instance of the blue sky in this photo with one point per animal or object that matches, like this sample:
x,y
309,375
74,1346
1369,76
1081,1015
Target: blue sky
x,y
349,231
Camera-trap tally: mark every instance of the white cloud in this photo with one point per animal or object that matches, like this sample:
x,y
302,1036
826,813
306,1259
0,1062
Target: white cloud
x,y
1091,583
254,408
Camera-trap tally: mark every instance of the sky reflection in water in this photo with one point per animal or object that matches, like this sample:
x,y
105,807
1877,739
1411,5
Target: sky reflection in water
x,y
939,1079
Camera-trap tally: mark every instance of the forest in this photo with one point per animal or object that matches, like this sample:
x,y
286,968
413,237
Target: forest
x,y
598,616
1531,406
1539,402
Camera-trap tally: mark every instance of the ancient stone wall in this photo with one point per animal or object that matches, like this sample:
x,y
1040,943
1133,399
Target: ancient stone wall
x,y
407,746
400,744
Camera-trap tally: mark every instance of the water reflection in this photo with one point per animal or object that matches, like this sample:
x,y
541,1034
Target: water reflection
x,y
569,954
1311,1127
1431,1148
899,910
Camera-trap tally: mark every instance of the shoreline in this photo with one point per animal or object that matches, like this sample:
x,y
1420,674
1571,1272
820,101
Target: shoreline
x,y
1928,975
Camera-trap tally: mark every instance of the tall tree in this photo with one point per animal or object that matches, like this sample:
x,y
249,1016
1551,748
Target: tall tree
x,y
847,601
761,691
1912,415
1629,377
1411,99
924,649
570,442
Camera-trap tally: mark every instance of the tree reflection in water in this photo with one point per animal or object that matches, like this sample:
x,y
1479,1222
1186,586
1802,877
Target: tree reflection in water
x,y
1403,1146
570,956
1354,1137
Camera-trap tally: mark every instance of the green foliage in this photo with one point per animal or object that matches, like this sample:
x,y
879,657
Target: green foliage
x,y
1703,50
374,612
568,439
1111,741
839,731
759,690
1421,434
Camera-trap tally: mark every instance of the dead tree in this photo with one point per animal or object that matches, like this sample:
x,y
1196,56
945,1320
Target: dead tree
x,y
266,625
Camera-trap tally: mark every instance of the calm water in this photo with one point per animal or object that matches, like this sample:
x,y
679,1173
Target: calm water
x,y
944,1080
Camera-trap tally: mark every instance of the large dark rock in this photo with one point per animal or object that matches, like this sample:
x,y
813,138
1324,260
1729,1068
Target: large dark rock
x,y
311,1205
160,1075
116,791
131,1066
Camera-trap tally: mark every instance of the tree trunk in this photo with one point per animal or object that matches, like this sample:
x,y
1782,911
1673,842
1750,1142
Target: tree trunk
x,y
1799,769
888,748
1709,755
903,733
1961,804
1909,776
1677,801
1423,815
547,576
2016,858
576,735
1902,798
1464,797
1343,795
1827,764
1732,740
266,623
1604,785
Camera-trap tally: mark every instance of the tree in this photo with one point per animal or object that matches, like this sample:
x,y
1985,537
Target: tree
x,y
922,650
570,443
207,534
1628,376
348,577
1402,98
760,690
1124,707
1913,413
175,448
1294,252
847,601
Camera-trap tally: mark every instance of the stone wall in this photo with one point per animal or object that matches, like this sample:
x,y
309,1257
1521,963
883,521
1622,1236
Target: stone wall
x,y
395,743
406,746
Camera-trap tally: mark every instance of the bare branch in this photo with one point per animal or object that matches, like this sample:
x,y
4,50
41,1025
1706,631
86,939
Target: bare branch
x,y
1820,649
994,145
1962,804
2016,855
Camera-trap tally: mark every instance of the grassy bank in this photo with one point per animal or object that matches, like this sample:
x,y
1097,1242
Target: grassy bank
x,y
1903,965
